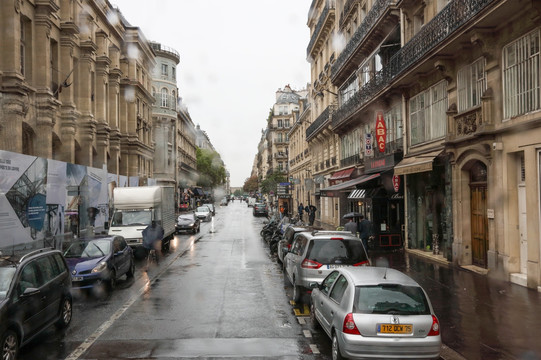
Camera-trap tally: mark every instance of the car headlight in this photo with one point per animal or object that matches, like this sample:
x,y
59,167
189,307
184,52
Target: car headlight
x,y
192,224
100,267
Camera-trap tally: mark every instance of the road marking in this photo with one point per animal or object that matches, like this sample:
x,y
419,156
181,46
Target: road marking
x,y
89,341
301,320
307,333
314,349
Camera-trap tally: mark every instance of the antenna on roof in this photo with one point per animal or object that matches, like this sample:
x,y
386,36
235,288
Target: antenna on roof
x,y
385,275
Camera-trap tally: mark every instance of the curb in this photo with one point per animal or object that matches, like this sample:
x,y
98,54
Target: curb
x,y
449,354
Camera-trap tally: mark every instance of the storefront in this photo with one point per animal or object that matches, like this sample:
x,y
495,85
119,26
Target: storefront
x,y
428,201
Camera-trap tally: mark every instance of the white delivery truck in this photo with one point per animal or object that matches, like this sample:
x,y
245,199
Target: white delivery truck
x,y
251,201
136,207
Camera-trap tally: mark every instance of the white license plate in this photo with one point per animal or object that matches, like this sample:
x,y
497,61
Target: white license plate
x,y
76,278
336,266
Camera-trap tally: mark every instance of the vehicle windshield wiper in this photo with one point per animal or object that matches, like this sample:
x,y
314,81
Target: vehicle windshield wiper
x,y
102,253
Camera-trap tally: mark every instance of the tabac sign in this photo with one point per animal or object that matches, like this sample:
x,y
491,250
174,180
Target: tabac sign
x,y
381,131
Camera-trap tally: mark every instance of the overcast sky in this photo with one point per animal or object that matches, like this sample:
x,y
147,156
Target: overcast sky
x,y
234,56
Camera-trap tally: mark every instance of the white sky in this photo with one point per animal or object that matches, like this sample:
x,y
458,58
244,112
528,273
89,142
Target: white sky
x,y
234,56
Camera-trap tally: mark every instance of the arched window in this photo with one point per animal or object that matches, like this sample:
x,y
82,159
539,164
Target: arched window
x,y
164,97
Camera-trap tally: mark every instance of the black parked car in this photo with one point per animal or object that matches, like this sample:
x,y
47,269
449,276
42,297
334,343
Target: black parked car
x,y
188,222
260,209
34,294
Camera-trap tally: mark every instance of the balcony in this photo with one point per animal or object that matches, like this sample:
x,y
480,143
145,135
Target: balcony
x,y
324,26
351,160
280,155
280,142
359,39
473,122
322,120
347,11
166,50
441,27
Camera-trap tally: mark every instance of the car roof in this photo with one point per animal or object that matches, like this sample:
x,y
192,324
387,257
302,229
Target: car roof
x,y
325,234
371,275
15,259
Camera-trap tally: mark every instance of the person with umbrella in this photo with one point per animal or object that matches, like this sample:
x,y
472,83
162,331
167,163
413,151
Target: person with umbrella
x,y
351,226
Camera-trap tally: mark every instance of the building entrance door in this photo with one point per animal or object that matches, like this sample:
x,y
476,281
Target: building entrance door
x,y
479,220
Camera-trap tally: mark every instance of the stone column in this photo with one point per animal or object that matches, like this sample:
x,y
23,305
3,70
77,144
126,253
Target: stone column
x,y
87,124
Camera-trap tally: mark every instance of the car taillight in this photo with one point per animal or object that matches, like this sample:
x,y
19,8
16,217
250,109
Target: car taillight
x,y
310,264
349,326
363,263
289,247
337,238
435,328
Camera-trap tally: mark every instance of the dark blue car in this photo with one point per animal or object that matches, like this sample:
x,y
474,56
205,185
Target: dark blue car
x,y
99,261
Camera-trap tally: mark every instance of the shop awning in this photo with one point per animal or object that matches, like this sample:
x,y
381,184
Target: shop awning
x,y
328,191
343,174
416,164
357,194
366,193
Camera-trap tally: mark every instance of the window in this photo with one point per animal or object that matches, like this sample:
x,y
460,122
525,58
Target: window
x,y
23,47
280,123
173,72
428,114
347,91
471,85
351,144
164,97
286,123
393,121
390,298
327,283
164,69
339,288
521,75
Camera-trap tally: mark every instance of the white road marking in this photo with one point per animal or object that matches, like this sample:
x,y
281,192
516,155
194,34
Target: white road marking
x,y
301,320
89,341
314,349
307,333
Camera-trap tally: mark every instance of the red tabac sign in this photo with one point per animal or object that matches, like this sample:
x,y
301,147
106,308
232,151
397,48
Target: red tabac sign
x,y
381,131
396,183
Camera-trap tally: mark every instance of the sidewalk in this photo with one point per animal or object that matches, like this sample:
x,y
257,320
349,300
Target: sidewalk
x,y
480,317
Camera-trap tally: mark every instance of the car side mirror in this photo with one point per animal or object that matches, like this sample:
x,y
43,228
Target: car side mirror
x,y
30,291
313,285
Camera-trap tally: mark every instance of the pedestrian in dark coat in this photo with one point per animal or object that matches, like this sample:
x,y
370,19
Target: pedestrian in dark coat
x,y
301,211
365,230
312,215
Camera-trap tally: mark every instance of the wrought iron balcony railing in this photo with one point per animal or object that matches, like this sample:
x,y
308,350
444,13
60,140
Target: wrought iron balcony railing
x,y
445,23
323,119
350,160
347,8
328,9
375,13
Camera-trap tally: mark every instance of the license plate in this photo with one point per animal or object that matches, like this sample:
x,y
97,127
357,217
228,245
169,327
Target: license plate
x,y
395,328
76,278
336,266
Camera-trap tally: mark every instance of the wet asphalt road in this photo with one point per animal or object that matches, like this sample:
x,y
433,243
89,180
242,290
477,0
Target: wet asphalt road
x,y
217,294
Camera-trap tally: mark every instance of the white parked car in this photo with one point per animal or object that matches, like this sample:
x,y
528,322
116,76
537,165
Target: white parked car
x,y
203,213
211,207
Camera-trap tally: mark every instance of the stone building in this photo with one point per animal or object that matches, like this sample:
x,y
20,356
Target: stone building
x,y
300,172
439,112
165,113
75,85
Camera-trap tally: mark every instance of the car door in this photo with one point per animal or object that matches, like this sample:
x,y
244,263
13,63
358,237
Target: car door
x,y
334,311
30,304
294,257
121,256
321,303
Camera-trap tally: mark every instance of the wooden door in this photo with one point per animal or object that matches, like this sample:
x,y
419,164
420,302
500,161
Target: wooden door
x,y
479,224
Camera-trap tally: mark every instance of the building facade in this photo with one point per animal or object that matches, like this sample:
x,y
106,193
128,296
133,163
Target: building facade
x,y
75,86
439,112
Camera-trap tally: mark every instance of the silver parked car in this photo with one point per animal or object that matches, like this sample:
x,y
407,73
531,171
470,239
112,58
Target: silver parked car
x,y
374,312
203,213
284,245
314,255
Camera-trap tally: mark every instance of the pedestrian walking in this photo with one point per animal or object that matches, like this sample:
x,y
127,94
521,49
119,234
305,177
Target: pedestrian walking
x,y
301,211
311,214
365,230
351,226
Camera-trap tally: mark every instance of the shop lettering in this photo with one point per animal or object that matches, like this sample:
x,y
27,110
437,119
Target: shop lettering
x,y
381,131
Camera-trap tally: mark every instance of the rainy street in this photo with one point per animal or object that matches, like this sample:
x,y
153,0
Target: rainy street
x,y
219,294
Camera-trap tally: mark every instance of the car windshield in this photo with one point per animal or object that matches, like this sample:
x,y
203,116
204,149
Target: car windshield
x,y
186,217
203,209
88,249
390,299
331,251
130,218
6,276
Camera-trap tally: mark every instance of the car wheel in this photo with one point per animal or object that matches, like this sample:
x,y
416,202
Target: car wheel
x,y
10,345
131,271
336,355
112,281
66,313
